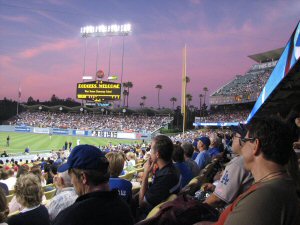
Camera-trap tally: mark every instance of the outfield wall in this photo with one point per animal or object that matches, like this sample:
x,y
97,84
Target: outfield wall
x,y
73,132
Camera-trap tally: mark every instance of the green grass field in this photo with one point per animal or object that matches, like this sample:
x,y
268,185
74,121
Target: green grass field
x,y
37,142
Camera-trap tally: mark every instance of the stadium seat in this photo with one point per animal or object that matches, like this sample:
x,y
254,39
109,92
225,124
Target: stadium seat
x,y
139,165
14,213
128,176
9,197
157,208
140,170
50,194
48,187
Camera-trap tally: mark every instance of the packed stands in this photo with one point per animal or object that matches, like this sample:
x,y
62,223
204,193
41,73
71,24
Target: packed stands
x,y
246,88
239,115
243,88
86,121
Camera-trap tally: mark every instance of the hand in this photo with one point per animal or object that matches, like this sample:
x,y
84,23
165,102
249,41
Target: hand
x,y
208,187
148,166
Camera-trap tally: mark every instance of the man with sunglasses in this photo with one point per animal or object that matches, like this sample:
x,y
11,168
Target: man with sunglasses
x,y
96,204
272,199
235,179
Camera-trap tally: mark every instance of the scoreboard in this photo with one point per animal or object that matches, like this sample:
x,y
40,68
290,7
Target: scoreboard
x,y
99,91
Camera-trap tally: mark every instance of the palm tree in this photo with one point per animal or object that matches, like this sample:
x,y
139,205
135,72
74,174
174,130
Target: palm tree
x,y
144,99
205,89
159,87
173,100
200,96
128,85
187,80
125,93
142,104
189,98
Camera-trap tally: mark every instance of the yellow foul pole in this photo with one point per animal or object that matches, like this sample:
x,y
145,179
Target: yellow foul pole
x,y
183,92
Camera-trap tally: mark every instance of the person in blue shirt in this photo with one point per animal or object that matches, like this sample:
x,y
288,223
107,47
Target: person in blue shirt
x,y
196,152
214,149
116,164
203,158
181,165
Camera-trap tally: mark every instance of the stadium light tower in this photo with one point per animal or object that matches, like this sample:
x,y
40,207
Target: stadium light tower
x,y
106,31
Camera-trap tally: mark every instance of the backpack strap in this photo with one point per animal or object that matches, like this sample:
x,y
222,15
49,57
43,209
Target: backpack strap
x,y
230,208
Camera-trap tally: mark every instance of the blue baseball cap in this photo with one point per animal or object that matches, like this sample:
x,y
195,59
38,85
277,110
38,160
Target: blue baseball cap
x,y
205,141
86,157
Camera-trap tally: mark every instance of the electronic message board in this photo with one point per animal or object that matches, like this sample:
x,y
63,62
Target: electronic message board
x,y
99,91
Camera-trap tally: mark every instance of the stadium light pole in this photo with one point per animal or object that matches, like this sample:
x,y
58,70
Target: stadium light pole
x,y
107,31
97,57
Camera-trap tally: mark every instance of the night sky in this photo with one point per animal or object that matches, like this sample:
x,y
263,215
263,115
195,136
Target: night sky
x,y
41,48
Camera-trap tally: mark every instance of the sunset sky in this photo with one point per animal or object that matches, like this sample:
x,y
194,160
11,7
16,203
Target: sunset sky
x,y
42,51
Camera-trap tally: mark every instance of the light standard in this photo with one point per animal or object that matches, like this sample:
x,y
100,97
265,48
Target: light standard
x,y
102,110
106,31
60,109
124,111
81,110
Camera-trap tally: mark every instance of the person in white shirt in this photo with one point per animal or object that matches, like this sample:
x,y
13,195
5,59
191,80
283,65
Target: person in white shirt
x,y
65,195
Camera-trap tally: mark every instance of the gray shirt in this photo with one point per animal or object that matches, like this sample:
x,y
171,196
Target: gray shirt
x,y
234,181
64,199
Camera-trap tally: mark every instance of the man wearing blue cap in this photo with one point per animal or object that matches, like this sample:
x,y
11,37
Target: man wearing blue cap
x,y
96,204
203,158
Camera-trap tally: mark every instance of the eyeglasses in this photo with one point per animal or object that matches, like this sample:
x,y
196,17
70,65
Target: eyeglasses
x,y
247,139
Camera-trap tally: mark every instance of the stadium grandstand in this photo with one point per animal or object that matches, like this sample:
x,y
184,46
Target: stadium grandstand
x,y
89,121
233,102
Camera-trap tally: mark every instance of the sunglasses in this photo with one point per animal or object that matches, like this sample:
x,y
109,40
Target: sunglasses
x,y
244,140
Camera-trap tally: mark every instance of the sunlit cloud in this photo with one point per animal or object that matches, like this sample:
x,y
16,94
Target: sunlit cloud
x,y
48,47
18,19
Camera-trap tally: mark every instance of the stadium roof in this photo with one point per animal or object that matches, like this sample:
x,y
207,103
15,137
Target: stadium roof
x,y
267,56
285,96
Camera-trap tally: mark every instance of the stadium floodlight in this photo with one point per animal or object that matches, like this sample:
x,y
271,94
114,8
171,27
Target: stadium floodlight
x,y
106,30
87,78
112,78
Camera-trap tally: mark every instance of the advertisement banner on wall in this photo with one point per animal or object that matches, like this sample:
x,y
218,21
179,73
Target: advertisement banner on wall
x,y
105,134
22,129
142,136
60,131
80,132
126,135
39,130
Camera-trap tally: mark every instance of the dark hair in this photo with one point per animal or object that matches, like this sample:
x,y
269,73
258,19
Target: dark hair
x,y
164,146
274,137
188,149
3,207
178,155
290,119
94,177
22,170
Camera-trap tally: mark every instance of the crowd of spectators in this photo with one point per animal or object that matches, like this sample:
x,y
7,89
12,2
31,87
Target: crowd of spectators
x,y
247,85
86,121
97,176
226,116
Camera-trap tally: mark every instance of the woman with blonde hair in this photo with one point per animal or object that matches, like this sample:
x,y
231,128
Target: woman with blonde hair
x,y
29,193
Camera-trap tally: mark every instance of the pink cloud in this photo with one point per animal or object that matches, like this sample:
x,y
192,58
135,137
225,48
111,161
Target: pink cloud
x,y
48,47
19,19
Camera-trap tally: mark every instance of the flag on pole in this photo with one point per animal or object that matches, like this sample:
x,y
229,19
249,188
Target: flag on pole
x,y
183,92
